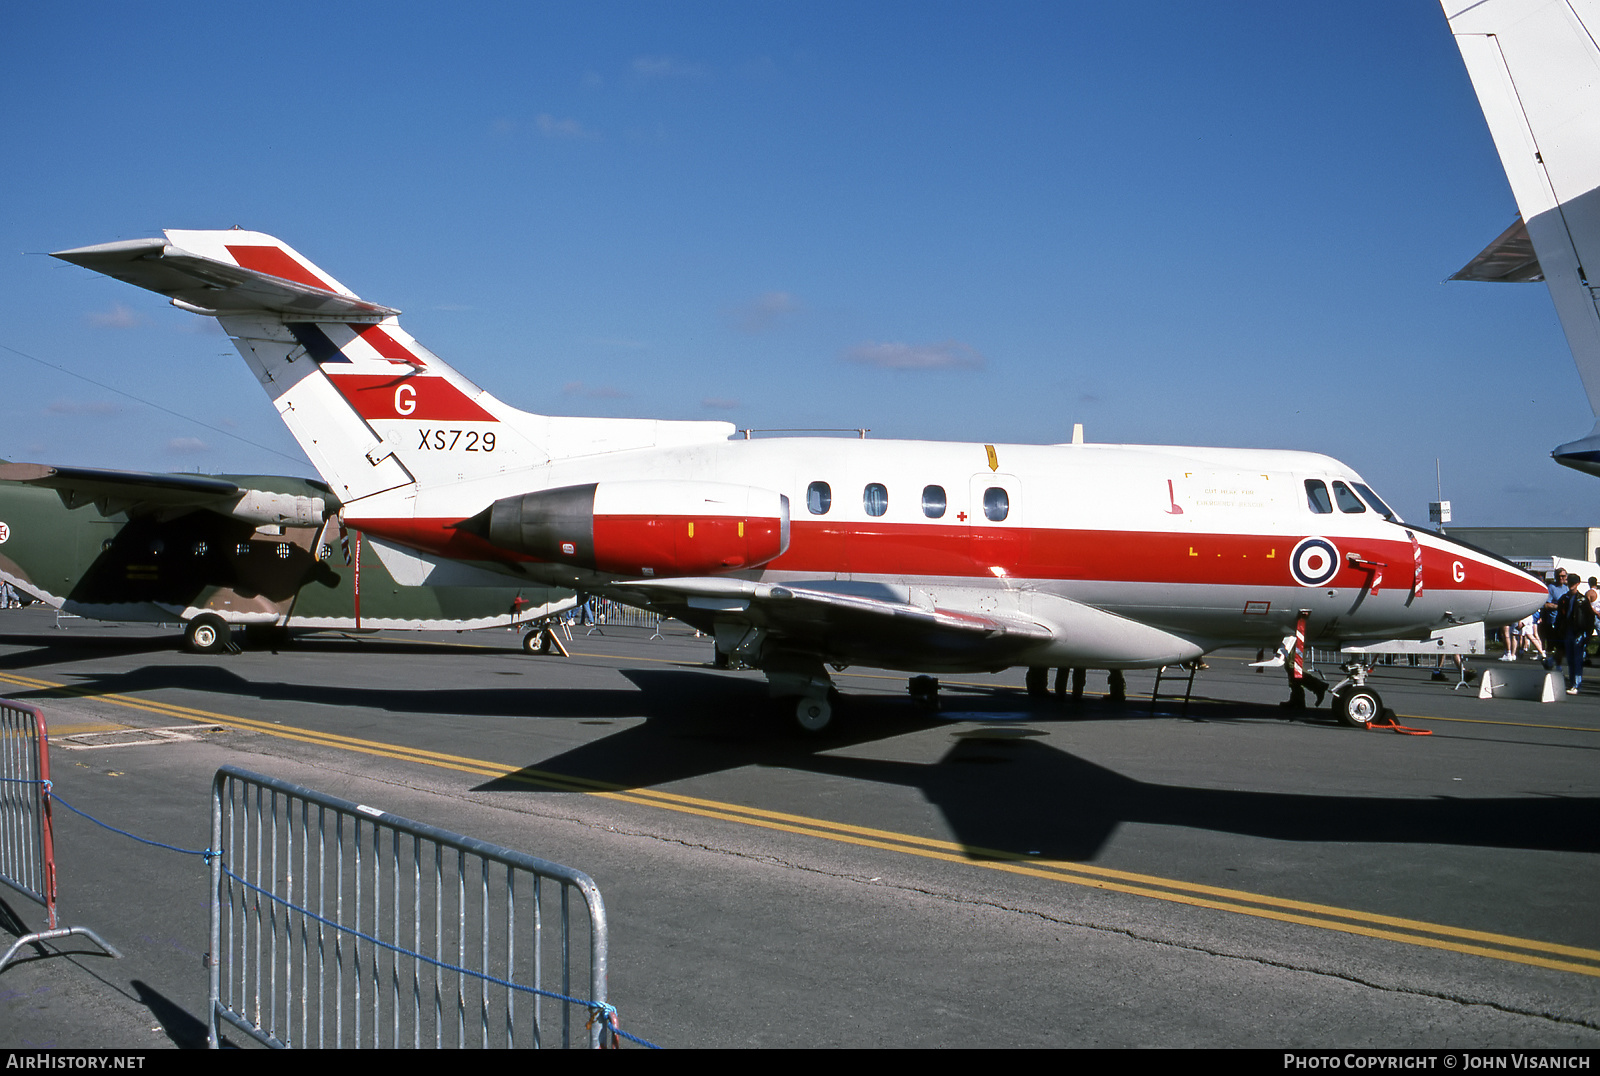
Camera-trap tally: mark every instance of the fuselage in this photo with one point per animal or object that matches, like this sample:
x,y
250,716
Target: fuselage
x,y
1216,545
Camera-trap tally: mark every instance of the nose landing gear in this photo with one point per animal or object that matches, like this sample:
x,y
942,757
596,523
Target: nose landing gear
x,y
1356,704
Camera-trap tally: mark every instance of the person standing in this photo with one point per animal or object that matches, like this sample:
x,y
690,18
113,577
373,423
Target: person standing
x,y
1546,620
1574,622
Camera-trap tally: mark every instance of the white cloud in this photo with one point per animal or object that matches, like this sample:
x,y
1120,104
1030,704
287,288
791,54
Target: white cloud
x,y
764,312
597,392
720,403
118,317
950,355
551,127
187,446
83,407
666,67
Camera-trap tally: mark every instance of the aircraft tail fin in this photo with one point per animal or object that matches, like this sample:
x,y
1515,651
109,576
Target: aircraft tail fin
x,y
372,408
1536,69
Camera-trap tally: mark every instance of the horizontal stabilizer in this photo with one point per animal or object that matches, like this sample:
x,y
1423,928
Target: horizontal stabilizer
x,y
247,273
1510,259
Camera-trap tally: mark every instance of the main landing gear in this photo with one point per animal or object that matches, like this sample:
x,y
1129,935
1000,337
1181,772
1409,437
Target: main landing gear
x,y
805,680
814,713
206,634
1355,704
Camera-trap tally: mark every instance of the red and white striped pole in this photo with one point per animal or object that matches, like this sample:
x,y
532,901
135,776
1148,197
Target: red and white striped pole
x,y
1300,644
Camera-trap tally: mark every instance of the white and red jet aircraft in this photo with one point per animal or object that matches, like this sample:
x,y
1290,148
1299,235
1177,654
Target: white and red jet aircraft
x,y
795,553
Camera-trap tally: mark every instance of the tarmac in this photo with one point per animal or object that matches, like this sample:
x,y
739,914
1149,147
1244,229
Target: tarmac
x,y
1002,872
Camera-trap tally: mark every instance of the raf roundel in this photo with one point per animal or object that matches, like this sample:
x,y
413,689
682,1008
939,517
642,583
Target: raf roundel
x,y
1315,561
5,532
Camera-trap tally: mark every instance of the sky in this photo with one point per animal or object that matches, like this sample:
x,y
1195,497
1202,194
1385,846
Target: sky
x,y
1175,223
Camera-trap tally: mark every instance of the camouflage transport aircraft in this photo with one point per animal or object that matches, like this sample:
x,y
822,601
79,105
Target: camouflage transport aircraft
x,y
214,552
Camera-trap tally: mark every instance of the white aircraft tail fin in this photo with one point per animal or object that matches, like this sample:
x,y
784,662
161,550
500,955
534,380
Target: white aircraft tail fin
x,y
373,409
1536,68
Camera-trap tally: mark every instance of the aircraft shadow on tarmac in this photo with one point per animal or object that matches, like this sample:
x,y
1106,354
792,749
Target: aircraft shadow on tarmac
x,y
79,648
998,786
1002,789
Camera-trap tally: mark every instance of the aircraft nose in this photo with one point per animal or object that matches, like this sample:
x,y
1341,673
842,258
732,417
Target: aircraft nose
x,y
1518,595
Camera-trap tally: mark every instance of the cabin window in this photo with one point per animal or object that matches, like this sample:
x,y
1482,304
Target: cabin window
x,y
819,498
875,499
1317,497
1348,501
996,504
1377,502
933,502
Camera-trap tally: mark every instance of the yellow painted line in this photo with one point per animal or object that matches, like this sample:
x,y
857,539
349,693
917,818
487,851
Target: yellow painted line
x,y
1506,947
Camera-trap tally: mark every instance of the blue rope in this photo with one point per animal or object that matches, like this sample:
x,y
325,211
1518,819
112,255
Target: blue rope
x,y
597,1009
205,854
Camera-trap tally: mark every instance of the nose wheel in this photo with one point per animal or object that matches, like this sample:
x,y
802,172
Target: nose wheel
x,y
1357,707
1354,703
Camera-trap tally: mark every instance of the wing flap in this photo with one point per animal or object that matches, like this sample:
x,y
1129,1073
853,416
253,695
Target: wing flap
x,y
895,627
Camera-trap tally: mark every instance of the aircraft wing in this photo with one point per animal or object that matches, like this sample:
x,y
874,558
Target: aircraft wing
x,y
883,623
212,286
142,492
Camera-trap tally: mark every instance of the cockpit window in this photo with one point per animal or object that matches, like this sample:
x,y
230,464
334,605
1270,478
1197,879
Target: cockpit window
x,y
933,502
1377,502
1317,496
819,498
1348,501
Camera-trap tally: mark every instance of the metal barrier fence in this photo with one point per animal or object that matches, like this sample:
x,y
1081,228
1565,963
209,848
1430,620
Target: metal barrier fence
x,y
335,924
27,838
608,613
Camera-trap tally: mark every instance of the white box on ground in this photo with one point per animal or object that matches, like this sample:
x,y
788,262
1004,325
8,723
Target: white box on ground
x,y
1521,682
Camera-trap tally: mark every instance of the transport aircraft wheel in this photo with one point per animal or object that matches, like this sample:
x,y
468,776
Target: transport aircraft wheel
x,y
1359,707
531,641
813,714
206,634
925,691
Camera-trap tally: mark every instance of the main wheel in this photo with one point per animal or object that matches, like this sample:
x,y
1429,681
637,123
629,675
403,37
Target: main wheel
x,y
206,634
813,714
925,691
1358,707
533,642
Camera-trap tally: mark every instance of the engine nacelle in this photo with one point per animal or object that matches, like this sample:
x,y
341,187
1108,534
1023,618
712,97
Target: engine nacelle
x,y
649,528
280,509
